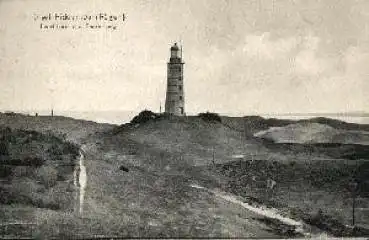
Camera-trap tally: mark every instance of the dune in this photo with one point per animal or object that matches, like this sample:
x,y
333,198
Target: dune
x,y
311,132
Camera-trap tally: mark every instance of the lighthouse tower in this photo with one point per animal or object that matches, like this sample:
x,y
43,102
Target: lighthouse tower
x,y
174,102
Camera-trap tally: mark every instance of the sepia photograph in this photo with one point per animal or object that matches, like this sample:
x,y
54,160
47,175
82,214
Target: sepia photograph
x,y
184,119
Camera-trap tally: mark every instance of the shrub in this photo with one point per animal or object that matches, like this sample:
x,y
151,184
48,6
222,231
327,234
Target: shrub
x,y
8,113
5,131
46,202
5,171
4,151
144,116
47,176
56,151
32,161
123,168
69,148
210,117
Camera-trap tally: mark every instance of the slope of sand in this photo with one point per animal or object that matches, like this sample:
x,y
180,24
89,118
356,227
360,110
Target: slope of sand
x,y
305,133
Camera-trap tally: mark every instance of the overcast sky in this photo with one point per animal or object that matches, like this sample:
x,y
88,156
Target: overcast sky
x,y
247,56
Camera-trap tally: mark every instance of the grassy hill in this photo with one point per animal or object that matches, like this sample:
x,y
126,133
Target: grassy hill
x,y
254,124
36,175
192,139
140,176
315,191
64,127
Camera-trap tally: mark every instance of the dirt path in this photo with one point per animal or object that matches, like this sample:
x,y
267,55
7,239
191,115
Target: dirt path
x,y
268,213
80,180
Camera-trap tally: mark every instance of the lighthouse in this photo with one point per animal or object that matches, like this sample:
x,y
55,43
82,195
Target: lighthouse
x,y
174,102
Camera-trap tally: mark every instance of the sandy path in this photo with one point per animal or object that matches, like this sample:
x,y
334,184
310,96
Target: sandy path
x,y
263,211
80,180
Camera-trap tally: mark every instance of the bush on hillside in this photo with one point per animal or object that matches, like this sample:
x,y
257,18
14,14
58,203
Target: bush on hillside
x,y
5,171
123,168
144,116
47,175
210,117
4,150
56,151
8,113
5,138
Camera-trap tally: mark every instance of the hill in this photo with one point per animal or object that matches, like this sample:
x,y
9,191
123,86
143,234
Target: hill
x,y
36,175
65,127
193,140
186,177
254,124
189,137
311,132
315,191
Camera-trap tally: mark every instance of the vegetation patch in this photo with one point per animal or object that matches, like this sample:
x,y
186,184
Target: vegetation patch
x,y
34,168
210,117
302,187
144,117
123,168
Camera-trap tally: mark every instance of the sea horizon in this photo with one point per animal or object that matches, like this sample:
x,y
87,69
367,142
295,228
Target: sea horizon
x,y
124,116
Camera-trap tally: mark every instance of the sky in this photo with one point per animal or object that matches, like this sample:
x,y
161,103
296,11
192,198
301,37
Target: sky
x,y
241,56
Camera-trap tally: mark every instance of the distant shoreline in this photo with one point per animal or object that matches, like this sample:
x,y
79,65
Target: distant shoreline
x,y
121,117
343,114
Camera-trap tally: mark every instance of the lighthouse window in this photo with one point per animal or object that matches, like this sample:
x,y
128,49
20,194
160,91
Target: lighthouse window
x,y
180,87
180,97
